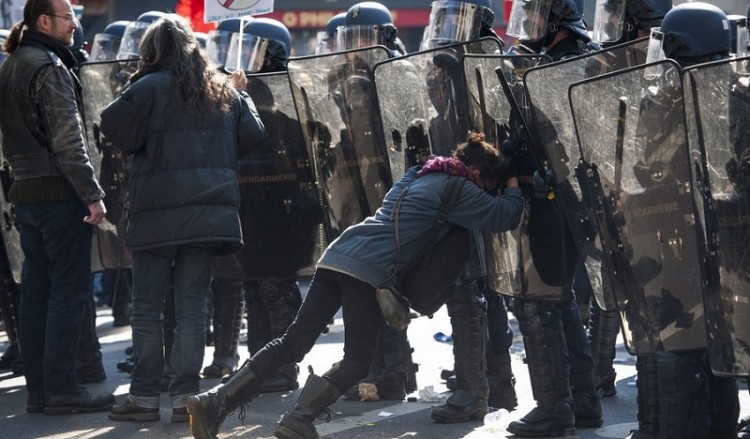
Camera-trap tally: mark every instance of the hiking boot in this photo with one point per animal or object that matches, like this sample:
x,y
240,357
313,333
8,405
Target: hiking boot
x,y
128,411
79,402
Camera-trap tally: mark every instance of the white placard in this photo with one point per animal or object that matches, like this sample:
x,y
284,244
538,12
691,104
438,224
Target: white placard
x,y
217,10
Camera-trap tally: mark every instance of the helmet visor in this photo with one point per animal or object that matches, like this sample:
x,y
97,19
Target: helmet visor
x,y
131,41
357,37
608,20
655,52
105,47
325,44
528,19
743,37
248,56
452,21
217,46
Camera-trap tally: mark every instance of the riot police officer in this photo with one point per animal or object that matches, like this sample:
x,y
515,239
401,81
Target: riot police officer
x,y
615,22
134,31
327,38
219,39
107,43
557,349
691,401
273,302
368,24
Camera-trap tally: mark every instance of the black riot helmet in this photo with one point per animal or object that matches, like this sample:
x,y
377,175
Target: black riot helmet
x,y
692,33
454,21
201,38
327,38
367,24
107,43
266,47
540,20
618,21
131,40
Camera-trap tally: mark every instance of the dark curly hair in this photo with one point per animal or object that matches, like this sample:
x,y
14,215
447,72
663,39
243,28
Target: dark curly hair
x,y
480,154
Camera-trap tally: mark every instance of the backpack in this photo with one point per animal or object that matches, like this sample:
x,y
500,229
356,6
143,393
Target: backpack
x,y
427,281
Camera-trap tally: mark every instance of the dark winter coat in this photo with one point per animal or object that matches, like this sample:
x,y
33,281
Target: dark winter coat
x,y
182,185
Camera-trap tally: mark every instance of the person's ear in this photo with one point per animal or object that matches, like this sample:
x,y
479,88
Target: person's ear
x,y
477,176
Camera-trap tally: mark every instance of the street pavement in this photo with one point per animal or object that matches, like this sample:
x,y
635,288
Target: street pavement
x,y
367,420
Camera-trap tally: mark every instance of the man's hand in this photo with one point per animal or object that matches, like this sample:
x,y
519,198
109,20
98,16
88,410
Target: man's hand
x,y
96,213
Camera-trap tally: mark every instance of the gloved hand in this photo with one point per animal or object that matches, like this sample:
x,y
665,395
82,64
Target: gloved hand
x,y
544,184
511,147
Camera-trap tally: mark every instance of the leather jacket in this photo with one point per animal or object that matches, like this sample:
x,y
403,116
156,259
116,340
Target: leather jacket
x,y
42,132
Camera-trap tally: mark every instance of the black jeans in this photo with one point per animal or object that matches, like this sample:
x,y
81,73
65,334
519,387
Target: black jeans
x,y
55,288
328,291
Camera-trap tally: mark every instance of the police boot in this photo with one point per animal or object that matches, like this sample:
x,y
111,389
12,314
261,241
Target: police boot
x,y
229,304
648,399
282,299
544,341
297,423
209,409
725,406
469,325
122,298
410,367
605,326
502,382
683,395
587,402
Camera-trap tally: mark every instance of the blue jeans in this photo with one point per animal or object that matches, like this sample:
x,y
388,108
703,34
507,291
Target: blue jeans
x,y
151,278
329,291
55,286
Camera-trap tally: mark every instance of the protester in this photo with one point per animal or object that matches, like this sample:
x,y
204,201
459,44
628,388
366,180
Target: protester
x,y
351,268
183,122
57,200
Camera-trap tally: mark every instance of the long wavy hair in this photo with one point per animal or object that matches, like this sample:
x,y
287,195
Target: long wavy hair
x,y
169,43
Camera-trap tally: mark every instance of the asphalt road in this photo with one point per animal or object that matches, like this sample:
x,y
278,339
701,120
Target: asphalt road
x,y
368,420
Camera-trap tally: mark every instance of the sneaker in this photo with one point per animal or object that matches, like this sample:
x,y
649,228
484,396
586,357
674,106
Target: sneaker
x,y
179,415
128,411
79,402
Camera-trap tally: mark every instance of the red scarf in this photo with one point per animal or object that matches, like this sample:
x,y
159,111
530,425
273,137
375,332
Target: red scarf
x,y
447,165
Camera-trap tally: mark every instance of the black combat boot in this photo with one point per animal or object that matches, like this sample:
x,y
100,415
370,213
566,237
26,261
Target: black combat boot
x,y
544,341
605,326
684,410
282,300
648,399
587,402
229,304
469,325
209,409
502,382
297,423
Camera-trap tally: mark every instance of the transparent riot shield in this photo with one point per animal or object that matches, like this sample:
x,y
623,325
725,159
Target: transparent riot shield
x,y
547,89
512,273
11,240
717,108
631,129
423,101
102,82
280,210
334,95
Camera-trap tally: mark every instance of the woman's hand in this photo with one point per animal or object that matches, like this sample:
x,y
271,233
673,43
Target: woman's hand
x,y
512,182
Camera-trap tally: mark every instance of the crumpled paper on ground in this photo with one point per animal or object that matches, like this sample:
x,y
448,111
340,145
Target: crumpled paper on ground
x,y
428,394
368,392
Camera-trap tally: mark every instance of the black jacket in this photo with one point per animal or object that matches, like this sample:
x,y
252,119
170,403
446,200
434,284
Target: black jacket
x,y
42,127
183,184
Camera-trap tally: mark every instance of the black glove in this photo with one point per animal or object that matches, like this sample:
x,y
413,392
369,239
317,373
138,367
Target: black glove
x,y
544,184
511,147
